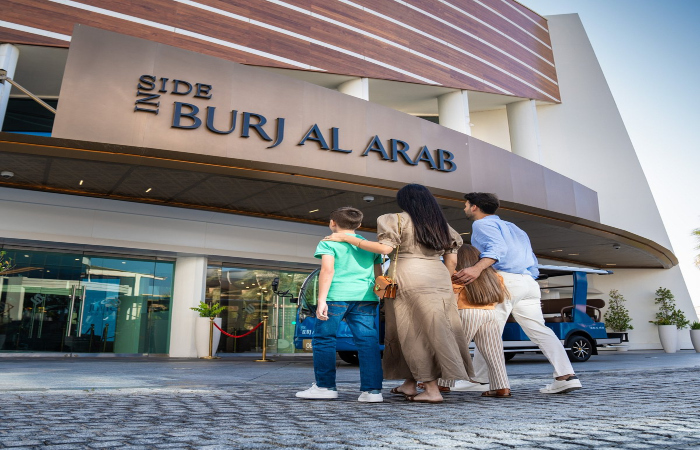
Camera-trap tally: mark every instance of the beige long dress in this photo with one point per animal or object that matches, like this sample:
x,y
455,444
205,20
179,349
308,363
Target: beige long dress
x,y
424,338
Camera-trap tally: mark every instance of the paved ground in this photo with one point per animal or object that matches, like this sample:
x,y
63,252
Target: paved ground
x,y
629,400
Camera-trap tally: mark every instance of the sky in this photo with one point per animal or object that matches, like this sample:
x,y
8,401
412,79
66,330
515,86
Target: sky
x,y
649,51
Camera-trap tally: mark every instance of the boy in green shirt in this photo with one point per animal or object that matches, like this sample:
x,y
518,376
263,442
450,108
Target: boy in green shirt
x,y
346,283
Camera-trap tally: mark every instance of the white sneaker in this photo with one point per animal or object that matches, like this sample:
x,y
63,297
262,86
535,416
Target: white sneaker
x,y
317,393
366,397
562,386
468,386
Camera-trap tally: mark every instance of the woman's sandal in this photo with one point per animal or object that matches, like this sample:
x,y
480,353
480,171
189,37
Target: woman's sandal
x,y
440,388
498,393
397,392
412,398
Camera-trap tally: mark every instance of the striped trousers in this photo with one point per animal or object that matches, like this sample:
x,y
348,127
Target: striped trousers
x,y
481,325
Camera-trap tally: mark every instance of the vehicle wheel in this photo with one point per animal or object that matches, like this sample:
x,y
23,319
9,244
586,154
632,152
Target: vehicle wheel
x,y
581,348
350,358
509,355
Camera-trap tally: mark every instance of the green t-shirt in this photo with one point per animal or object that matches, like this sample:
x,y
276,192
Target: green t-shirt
x,y
353,277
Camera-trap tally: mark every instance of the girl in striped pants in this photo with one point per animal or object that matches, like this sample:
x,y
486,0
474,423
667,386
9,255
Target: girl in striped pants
x,y
476,302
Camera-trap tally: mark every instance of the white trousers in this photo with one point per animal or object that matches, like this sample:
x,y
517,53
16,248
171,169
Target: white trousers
x,y
524,304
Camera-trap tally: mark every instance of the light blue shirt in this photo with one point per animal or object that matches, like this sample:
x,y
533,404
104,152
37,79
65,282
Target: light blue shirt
x,y
506,243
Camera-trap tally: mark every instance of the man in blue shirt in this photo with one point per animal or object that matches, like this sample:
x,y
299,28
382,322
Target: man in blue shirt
x,y
507,248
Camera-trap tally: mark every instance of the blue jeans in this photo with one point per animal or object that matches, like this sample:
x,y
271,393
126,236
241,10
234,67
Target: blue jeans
x,y
360,317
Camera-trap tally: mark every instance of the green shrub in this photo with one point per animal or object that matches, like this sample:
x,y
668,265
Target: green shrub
x,y
617,318
206,310
695,326
668,313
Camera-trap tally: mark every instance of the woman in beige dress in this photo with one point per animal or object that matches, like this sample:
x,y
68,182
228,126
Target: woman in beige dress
x,y
424,339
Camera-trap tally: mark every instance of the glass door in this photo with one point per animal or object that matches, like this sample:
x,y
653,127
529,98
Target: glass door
x,y
249,293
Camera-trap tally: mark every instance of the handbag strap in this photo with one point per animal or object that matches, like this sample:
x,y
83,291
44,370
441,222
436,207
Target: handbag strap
x,y
396,255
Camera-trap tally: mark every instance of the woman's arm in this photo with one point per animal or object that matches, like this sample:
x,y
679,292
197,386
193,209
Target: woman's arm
x,y
450,261
370,246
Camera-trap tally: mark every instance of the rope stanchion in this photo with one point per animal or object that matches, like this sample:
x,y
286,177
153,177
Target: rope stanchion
x,y
240,336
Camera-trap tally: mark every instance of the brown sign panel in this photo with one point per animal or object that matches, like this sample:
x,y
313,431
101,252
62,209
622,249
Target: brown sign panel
x,y
124,90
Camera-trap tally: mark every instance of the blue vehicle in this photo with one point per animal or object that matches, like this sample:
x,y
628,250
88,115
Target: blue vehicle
x,y
575,319
306,320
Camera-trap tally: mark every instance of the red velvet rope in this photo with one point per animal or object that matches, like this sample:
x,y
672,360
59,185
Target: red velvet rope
x,y
242,335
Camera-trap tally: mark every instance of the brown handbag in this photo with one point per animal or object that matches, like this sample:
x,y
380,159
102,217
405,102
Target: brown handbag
x,y
385,286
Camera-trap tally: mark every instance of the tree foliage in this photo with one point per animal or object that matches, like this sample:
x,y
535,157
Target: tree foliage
x,y
668,313
5,263
206,310
617,318
696,233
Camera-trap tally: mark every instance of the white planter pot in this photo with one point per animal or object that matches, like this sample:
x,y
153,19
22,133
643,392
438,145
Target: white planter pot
x,y
201,336
668,335
622,347
680,339
695,339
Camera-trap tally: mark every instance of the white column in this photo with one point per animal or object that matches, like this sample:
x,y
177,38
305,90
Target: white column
x,y
358,87
188,291
9,54
453,109
524,130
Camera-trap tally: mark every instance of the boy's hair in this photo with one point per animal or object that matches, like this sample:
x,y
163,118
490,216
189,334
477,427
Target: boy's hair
x,y
487,203
486,289
347,217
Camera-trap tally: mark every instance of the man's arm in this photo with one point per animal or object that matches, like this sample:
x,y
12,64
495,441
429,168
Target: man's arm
x,y
325,277
488,238
469,274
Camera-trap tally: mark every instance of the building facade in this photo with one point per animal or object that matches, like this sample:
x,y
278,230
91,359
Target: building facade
x,y
198,147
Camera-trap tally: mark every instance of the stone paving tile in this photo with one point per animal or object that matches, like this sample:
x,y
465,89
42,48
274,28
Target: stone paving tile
x,y
646,411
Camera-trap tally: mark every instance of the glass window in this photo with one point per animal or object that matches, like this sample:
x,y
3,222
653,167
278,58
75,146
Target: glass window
x,y
79,303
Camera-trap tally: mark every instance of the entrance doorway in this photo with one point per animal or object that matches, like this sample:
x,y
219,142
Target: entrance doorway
x,y
248,293
82,303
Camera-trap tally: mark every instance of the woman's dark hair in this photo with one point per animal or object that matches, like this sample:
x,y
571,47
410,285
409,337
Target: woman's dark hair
x,y
428,220
487,288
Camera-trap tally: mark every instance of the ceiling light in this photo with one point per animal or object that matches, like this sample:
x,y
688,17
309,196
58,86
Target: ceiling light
x,y
149,189
464,233
123,262
611,264
26,256
81,182
313,211
573,254
554,251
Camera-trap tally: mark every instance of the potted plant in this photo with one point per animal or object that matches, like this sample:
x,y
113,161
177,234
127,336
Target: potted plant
x,y
617,319
668,332
695,335
681,323
203,326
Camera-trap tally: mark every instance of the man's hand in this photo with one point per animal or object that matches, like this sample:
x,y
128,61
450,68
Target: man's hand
x,y
322,310
467,276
